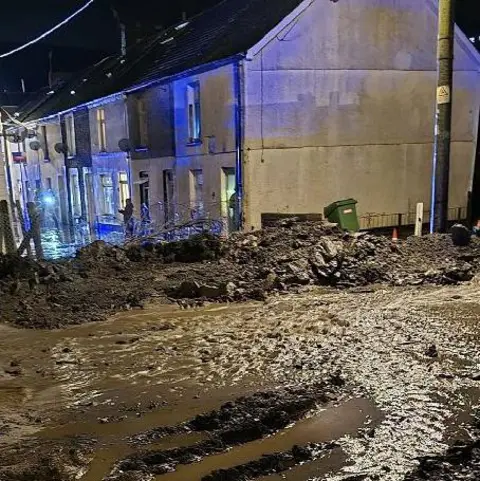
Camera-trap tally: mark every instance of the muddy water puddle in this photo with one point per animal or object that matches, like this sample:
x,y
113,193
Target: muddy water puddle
x,y
327,425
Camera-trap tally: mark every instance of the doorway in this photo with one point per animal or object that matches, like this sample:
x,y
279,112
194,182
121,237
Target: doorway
x,y
90,197
75,194
168,195
229,206
144,187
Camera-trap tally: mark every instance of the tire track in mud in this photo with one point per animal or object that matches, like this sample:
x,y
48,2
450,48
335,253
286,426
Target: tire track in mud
x,y
236,423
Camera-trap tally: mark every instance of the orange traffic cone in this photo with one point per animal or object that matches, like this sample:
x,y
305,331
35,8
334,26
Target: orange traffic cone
x,y
395,235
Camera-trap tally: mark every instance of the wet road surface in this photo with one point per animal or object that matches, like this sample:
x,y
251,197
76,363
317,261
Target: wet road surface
x,y
109,382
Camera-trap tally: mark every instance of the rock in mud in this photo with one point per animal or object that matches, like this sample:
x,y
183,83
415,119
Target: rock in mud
x,y
431,351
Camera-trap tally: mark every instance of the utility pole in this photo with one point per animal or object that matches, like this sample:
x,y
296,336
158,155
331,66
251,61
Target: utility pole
x,y
443,118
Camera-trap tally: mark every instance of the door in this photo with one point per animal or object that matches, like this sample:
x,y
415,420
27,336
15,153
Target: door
x,y
90,198
75,194
168,195
144,187
229,206
62,199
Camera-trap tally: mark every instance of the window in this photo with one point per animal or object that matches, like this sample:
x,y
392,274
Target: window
x,y
196,194
102,130
44,142
70,135
48,183
142,122
106,199
193,112
124,190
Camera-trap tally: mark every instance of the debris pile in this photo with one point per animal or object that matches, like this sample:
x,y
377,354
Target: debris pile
x,y
103,279
311,253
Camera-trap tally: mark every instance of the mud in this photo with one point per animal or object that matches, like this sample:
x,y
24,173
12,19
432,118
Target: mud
x,y
104,279
270,463
244,420
170,386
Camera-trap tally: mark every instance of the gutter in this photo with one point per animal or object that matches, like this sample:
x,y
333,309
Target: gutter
x,y
238,78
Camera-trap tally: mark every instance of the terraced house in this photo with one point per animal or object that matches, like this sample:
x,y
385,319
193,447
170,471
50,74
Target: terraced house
x,y
258,107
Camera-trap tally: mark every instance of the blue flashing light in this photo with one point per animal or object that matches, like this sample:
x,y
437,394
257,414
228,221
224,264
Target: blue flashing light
x,y
48,199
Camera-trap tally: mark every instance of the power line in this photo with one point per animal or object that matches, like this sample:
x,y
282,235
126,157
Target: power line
x,y
48,32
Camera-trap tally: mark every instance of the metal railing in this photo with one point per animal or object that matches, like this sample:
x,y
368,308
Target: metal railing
x,y
378,221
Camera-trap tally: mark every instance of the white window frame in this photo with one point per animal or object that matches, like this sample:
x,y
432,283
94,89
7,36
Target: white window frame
x,y
107,205
102,130
194,120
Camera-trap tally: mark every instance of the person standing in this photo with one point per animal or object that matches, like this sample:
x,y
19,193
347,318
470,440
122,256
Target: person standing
x,y
127,213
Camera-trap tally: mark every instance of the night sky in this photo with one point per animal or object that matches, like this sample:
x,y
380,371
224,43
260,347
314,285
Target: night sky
x,y
94,34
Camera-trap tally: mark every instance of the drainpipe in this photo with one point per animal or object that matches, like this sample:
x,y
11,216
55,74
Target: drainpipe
x,y
238,77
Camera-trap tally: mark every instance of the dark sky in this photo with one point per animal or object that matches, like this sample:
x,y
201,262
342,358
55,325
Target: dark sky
x,y
94,33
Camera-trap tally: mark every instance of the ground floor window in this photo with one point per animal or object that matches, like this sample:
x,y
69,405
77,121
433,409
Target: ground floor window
x,y
107,203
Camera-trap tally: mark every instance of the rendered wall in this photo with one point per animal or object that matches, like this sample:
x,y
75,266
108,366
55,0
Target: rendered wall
x,y
341,102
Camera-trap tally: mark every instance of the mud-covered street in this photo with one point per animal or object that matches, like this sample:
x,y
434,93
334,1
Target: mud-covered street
x,y
370,383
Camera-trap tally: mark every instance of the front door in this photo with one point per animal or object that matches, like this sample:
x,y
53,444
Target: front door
x,y
168,195
90,198
228,198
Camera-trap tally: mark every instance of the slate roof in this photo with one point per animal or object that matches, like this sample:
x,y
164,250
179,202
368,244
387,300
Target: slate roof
x,y
228,29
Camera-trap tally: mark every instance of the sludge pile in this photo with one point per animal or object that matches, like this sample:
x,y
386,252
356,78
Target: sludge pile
x,y
309,253
103,279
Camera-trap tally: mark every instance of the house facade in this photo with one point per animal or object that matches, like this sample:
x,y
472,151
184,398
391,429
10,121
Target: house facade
x,y
337,101
242,113
340,103
189,152
107,181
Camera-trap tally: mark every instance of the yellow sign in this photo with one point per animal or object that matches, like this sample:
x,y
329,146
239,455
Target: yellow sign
x,y
443,95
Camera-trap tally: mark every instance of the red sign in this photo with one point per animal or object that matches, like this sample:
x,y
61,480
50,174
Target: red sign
x,y
19,158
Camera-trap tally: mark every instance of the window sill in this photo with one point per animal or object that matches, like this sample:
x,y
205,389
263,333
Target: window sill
x,y
194,143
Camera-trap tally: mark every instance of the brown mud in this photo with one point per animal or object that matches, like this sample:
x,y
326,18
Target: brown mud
x,y
103,279
235,391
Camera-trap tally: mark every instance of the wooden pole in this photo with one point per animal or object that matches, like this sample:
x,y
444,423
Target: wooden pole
x,y
23,226
443,118
8,238
35,228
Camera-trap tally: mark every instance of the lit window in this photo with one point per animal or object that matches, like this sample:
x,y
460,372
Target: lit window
x,y
142,123
193,112
123,188
102,130
70,134
107,203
